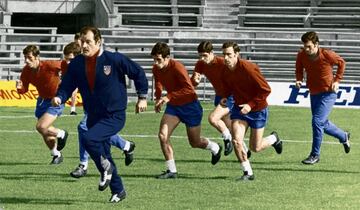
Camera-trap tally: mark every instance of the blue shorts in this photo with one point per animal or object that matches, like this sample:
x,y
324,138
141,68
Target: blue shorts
x,y
44,106
230,101
190,114
254,119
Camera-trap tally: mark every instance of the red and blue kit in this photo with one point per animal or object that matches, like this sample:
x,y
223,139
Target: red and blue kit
x,y
175,79
319,72
213,72
46,78
247,85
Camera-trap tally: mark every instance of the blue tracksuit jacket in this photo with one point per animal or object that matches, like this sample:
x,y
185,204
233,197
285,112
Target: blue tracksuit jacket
x,y
109,94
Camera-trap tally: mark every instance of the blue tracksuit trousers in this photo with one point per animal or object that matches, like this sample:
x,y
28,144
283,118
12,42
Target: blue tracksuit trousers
x,y
321,106
97,142
115,140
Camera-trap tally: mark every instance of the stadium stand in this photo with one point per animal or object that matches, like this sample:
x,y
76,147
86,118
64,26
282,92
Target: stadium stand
x,y
159,12
271,41
299,13
221,14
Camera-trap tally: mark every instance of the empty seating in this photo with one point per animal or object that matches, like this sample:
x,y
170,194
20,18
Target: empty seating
x,y
159,13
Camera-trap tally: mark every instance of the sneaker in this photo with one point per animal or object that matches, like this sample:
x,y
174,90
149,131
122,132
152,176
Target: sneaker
x,y
228,147
347,143
105,177
79,171
311,160
117,197
167,175
246,177
129,155
73,113
248,154
215,158
61,142
278,144
57,159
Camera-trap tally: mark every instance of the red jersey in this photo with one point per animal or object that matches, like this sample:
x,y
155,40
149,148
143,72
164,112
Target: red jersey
x,y
213,72
46,78
319,72
247,85
175,79
64,66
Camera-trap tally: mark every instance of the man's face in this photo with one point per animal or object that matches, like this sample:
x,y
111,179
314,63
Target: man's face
x,y
310,48
206,57
32,61
88,44
160,62
230,57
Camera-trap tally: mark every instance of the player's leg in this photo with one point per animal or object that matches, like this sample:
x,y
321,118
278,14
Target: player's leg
x,y
81,169
329,127
219,118
196,141
97,143
167,125
127,146
46,116
73,102
257,122
239,128
191,114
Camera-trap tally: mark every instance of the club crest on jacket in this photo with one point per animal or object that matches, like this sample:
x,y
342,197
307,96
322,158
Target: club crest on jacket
x,y
107,70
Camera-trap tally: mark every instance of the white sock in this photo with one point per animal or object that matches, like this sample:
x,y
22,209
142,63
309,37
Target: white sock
x,y
270,139
247,167
55,152
127,146
73,109
60,134
226,135
85,164
213,147
170,164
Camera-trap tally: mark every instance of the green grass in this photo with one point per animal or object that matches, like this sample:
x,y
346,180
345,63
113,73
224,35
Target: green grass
x,y
27,181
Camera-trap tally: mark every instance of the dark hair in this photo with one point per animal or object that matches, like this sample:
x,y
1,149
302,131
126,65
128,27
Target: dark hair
x,y
205,47
31,49
77,36
94,30
310,36
231,44
160,48
73,48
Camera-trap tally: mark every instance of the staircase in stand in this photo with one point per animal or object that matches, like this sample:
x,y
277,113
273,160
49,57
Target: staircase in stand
x,y
221,14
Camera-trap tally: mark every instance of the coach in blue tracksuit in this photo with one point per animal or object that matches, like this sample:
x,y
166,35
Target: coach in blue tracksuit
x,y
100,77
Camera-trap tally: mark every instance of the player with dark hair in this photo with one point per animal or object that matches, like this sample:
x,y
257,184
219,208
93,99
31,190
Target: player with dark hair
x,y
182,105
244,81
70,51
45,76
318,64
212,67
100,77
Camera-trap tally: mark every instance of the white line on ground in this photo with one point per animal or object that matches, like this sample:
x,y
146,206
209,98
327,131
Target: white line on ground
x,y
175,137
67,115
